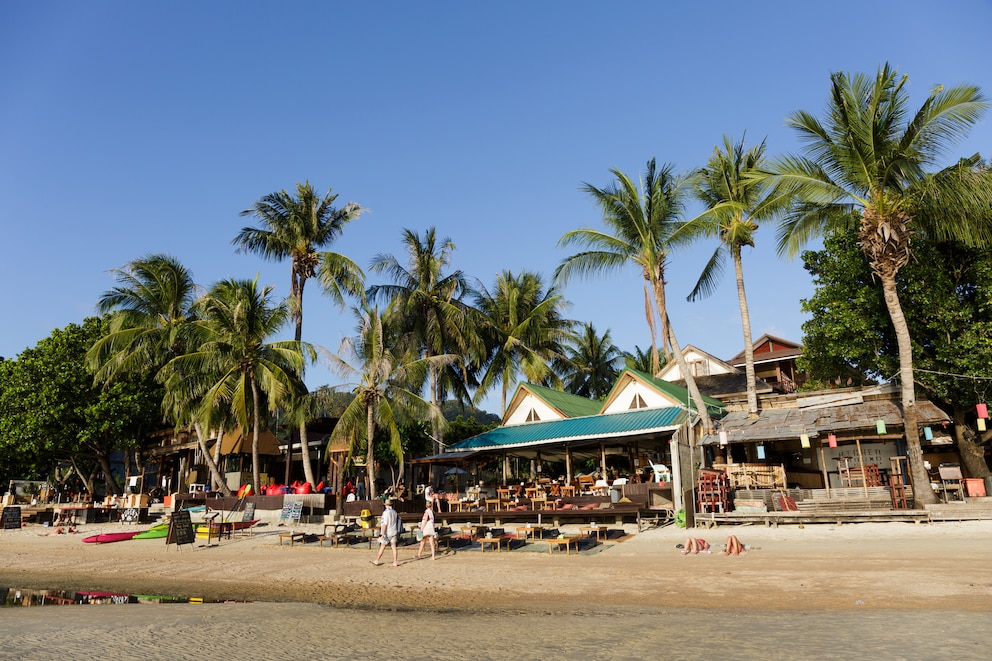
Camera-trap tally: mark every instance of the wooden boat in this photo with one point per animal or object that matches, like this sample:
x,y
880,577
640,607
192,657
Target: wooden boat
x,y
108,537
216,528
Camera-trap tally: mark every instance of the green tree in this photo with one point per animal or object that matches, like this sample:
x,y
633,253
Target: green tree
x,y
524,330
151,323
738,202
428,303
295,228
642,224
868,159
249,373
848,336
387,371
593,363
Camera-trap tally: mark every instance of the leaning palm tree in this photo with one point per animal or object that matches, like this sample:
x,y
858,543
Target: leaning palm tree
x,y
387,375
592,364
739,201
642,226
865,169
152,315
428,303
524,331
295,228
248,373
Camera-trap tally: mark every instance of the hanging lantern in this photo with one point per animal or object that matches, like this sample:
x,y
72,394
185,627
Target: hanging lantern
x,y
981,424
928,433
804,439
983,410
832,440
880,426
723,437
761,452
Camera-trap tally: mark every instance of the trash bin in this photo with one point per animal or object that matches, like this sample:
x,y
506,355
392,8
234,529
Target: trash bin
x,y
616,493
975,487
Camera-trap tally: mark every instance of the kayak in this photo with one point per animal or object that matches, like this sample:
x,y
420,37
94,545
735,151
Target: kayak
x,y
157,531
215,529
107,537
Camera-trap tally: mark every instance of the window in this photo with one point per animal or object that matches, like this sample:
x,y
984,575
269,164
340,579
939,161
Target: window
x,y
638,402
699,368
533,416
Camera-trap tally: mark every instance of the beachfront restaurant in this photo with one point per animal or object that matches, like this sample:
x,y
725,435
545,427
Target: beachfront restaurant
x,y
823,450
635,447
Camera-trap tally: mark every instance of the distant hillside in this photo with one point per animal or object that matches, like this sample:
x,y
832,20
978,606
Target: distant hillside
x,y
452,410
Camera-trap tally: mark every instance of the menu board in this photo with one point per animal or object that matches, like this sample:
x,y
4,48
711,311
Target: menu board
x,y
12,518
181,529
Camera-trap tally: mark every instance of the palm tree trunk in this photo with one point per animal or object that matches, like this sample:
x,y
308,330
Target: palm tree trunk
x,y
256,399
649,315
305,453
370,453
752,390
298,312
214,471
220,437
690,381
922,493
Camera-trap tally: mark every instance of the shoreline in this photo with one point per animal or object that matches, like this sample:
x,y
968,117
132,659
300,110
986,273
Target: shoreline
x,y
874,566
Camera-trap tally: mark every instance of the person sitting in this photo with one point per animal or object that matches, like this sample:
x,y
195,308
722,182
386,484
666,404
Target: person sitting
x,y
694,545
734,546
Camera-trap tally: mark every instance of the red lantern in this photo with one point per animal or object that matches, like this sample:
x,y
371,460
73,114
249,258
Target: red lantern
x,y
983,410
832,440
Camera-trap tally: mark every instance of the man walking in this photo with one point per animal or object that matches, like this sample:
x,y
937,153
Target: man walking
x,y
389,532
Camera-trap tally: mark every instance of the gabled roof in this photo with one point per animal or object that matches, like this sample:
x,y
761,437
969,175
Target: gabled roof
x,y
565,404
678,395
589,428
672,364
780,350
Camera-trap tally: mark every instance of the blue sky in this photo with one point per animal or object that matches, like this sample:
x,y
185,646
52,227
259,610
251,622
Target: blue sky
x,y
129,128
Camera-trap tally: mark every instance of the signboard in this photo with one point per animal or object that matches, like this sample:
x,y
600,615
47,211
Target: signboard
x,y
12,518
249,512
130,515
292,510
181,529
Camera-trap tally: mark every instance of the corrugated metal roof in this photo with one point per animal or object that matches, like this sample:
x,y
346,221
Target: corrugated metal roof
x,y
589,428
571,406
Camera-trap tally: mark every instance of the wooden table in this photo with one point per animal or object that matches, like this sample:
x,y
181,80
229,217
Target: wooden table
x,y
293,537
567,491
496,541
566,541
599,530
337,534
534,492
473,529
523,532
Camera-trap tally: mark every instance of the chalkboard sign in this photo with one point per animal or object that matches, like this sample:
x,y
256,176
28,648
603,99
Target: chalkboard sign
x,y
130,515
11,518
249,512
180,529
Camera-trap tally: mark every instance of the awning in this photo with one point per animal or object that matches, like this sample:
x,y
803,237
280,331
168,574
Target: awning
x,y
234,442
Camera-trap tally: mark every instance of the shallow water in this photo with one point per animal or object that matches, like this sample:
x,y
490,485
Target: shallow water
x,y
229,631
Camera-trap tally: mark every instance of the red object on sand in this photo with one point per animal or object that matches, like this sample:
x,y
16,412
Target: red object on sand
x,y
107,537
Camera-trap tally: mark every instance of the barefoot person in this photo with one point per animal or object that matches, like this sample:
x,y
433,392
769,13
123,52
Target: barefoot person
x,y
428,535
734,546
388,533
694,546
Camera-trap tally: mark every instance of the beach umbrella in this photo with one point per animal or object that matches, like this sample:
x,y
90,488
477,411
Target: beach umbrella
x,y
455,471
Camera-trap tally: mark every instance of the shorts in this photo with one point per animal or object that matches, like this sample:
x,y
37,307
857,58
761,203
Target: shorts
x,y
388,539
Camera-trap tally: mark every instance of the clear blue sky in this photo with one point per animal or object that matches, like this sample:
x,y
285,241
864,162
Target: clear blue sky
x,y
128,128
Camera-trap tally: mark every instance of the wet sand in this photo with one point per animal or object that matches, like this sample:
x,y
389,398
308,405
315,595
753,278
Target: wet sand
x,y
828,588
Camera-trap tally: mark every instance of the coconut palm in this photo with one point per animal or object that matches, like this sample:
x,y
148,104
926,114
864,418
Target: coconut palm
x,y
428,302
865,169
248,373
739,201
295,228
524,330
386,374
152,315
642,227
592,364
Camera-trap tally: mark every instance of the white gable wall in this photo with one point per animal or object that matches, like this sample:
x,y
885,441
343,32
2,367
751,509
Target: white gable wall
x,y
653,399
531,403
673,373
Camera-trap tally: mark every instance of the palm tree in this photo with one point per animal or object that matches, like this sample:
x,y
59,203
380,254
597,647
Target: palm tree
x,y
387,374
644,222
728,185
248,373
865,170
428,303
524,330
593,363
294,228
152,320
639,359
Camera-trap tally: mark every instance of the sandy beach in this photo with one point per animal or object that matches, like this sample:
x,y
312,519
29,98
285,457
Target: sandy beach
x,y
859,579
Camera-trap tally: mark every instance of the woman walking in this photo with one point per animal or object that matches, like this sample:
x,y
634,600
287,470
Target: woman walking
x,y
427,533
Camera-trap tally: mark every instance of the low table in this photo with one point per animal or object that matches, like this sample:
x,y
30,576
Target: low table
x,y
599,530
566,541
494,541
523,532
293,537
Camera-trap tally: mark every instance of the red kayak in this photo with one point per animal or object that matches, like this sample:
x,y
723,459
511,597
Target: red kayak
x,y
107,537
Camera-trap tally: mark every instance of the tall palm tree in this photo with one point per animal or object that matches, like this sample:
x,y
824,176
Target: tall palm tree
x,y
865,169
644,222
593,363
295,228
387,374
739,201
248,372
152,315
524,330
428,302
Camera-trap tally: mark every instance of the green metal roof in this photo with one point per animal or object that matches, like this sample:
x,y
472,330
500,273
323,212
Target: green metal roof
x,y
572,406
713,405
589,428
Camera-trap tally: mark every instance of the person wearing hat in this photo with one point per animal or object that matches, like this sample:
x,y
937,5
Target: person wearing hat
x,y
389,533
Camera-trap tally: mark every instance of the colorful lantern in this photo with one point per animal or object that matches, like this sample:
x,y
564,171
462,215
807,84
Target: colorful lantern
x,y
804,439
723,437
832,440
880,426
981,424
983,410
928,433
761,452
